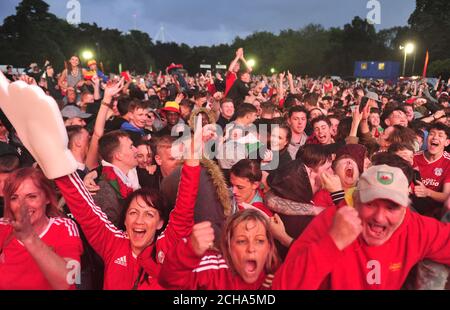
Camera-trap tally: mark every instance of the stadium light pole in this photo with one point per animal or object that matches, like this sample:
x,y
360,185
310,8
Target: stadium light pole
x,y
408,49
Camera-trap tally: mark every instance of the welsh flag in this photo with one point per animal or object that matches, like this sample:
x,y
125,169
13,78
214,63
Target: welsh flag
x,y
252,144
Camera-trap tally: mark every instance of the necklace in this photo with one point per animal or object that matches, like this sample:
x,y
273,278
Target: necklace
x,y
74,72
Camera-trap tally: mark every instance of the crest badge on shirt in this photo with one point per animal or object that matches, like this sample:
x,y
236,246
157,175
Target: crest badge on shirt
x,y
161,257
438,172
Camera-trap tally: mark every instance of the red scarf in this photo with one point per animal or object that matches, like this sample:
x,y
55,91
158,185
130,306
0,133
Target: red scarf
x,y
122,190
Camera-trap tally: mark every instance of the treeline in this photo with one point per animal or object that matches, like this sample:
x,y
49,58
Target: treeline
x,y
34,35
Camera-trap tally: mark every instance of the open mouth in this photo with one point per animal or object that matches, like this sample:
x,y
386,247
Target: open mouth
x,y
250,266
435,144
349,172
322,138
376,229
139,233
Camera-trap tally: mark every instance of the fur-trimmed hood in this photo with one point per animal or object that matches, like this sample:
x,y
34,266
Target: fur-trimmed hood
x,y
219,183
209,113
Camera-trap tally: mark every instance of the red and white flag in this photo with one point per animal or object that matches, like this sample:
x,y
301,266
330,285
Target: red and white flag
x,y
425,68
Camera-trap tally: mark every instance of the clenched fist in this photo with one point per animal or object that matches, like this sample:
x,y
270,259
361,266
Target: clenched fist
x,y
202,238
346,227
331,182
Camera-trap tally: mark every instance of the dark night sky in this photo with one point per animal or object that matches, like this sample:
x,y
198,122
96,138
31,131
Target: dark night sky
x,y
207,22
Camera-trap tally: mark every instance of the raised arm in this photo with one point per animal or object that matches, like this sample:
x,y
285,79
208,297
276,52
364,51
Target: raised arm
x,y
184,267
54,266
110,91
96,81
314,255
181,219
249,68
281,91
291,83
39,125
239,54
101,234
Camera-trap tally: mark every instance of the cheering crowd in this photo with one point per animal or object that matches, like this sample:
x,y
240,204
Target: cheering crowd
x,y
222,181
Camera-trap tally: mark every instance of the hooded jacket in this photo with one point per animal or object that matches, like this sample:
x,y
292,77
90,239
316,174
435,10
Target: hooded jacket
x,y
291,184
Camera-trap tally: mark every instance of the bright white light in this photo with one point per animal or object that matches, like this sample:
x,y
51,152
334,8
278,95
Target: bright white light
x,y
272,70
409,48
251,62
87,55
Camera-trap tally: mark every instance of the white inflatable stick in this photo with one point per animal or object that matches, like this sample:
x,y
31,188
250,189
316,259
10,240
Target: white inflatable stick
x,y
39,125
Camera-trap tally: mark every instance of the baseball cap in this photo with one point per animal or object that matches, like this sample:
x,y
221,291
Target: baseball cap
x,y
171,106
372,95
384,182
72,111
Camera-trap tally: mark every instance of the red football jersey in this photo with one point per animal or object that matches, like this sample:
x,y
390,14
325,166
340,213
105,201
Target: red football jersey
x,y
229,81
18,269
434,174
314,261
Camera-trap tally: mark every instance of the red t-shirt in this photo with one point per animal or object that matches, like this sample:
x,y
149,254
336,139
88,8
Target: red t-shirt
x,y
323,199
183,269
315,262
19,271
113,246
230,78
328,87
434,174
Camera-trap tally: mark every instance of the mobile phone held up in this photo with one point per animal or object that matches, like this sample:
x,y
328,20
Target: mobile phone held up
x,y
417,177
363,104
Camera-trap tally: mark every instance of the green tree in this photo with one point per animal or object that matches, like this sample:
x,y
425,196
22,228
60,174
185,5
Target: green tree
x,y
439,68
431,22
